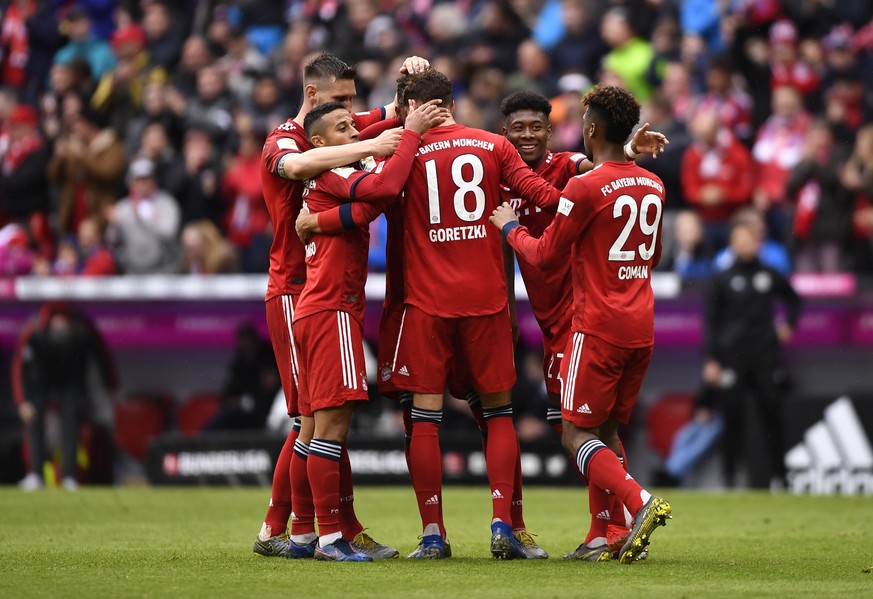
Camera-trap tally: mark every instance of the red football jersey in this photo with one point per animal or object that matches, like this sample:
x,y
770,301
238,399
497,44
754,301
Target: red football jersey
x,y
284,198
453,261
609,223
549,291
336,265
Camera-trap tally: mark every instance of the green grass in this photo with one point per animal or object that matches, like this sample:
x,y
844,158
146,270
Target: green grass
x,y
141,542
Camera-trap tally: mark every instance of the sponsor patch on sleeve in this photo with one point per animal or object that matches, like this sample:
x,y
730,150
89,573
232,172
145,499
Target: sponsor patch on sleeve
x,y
565,206
286,143
344,171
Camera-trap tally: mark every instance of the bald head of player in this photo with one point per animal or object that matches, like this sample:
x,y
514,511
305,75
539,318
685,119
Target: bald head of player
x,y
326,78
526,125
330,124
610,115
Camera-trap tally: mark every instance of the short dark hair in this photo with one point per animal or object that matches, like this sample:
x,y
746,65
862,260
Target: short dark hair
x,y
327,66
615,108
428,85
525,100
402,83
310,123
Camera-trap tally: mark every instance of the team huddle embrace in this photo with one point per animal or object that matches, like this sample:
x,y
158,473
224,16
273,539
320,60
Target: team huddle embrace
x,y
460,203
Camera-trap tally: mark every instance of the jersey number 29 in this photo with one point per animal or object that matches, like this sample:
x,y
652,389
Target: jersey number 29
x,y
618,253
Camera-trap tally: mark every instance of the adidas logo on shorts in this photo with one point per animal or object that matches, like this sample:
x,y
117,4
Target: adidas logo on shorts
x,y
604,515
403,370
584,409
496,494
432,501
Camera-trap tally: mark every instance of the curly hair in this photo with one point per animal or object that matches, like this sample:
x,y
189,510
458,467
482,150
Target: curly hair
x,y
614,107
525,100
428,85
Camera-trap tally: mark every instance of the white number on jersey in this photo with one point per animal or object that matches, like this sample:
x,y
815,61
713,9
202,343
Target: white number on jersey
x,y
618,253
464,187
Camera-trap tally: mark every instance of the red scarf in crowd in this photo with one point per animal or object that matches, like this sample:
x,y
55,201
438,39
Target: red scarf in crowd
x,y
18,152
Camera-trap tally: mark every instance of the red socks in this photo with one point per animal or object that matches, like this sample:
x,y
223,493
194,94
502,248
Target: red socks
x,y
280,498
603,469
425,461
348,519
323,467
303,516
501,458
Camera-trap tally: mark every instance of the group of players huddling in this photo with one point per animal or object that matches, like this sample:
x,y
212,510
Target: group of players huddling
x,y
586,234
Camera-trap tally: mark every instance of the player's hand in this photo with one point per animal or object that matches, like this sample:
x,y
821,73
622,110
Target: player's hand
x,y
414,64
712,373
387,142
27,412
306,224
649,142
502,214
430,114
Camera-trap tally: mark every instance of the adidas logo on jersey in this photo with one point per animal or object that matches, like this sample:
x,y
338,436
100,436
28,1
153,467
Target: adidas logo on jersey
x,y
496,494
432,501
627,476
403,370
584,409
604,515
294,517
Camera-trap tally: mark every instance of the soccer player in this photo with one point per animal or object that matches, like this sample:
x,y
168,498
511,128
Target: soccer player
x,y
286,162
328,323
526,125
609,222
455,304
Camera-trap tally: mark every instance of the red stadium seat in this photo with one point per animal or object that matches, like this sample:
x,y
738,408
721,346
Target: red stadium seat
x,y
668,414
138,419
197,411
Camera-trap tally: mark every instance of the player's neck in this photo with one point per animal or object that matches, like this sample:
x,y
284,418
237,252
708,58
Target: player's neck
x,y
301,116
608,153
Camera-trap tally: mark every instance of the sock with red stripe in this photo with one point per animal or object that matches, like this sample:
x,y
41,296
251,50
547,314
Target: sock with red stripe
x,y
280,498
303,516
603,469
323,467
348,518
501,457
425,460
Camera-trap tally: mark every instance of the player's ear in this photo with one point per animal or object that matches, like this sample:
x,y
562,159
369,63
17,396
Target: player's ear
x,y
548,132
310,92
318,141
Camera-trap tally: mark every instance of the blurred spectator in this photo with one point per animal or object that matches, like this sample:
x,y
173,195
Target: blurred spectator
x,y
496,33
14,43
267,107
23,162
212,107
196,55
156,146
716,174
787,68
703,19
777,150
822,206
676,87
84,44
742,347
689,256
242,65
771,254
95,258
205,251
732,104
844,105
534,70
51,363
163,38
73,79
16,255
247,224
581,47
155,110
857,177
630,55
200,192
446,27
566,116
101,13
658,112
252,383
88,164
144,226
43,40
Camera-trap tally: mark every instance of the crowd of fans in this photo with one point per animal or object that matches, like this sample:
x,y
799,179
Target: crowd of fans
x,y
131,130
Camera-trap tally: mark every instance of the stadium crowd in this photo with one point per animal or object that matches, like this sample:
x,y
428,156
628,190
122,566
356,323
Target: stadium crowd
x,y
131,130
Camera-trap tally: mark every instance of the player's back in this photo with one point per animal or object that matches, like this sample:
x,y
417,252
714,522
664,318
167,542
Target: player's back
x,y
284,198
453,259
613,258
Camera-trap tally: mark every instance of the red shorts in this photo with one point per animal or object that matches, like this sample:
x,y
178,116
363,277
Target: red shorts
x,y
555,340
389,328
330,347
600,381
280,314
427,346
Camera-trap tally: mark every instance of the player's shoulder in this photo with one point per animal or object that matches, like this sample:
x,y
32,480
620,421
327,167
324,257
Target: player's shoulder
x,y
288,136
567,157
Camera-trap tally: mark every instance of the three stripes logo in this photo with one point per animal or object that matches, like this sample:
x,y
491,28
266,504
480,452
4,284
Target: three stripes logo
x,y
834,457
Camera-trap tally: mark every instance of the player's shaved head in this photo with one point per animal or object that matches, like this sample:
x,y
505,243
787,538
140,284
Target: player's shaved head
x,y
525,100
613,108
314,123
327,67
428,85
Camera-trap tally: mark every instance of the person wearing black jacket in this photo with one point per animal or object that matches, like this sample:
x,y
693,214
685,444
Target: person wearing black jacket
x,y
742,345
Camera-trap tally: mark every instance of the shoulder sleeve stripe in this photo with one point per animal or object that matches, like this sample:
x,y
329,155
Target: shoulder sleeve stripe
x,y
355,184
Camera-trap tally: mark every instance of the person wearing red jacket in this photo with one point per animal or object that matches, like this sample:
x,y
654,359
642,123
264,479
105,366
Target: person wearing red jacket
x,y
716,174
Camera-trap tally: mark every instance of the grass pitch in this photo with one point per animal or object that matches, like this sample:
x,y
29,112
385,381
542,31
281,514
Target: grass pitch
x,y
142,542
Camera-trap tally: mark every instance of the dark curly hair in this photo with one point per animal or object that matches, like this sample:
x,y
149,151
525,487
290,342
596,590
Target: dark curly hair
x,y
428,85
525,100
615,108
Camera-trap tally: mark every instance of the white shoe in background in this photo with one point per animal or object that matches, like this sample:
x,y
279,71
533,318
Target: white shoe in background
x,y
70,484
31,482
